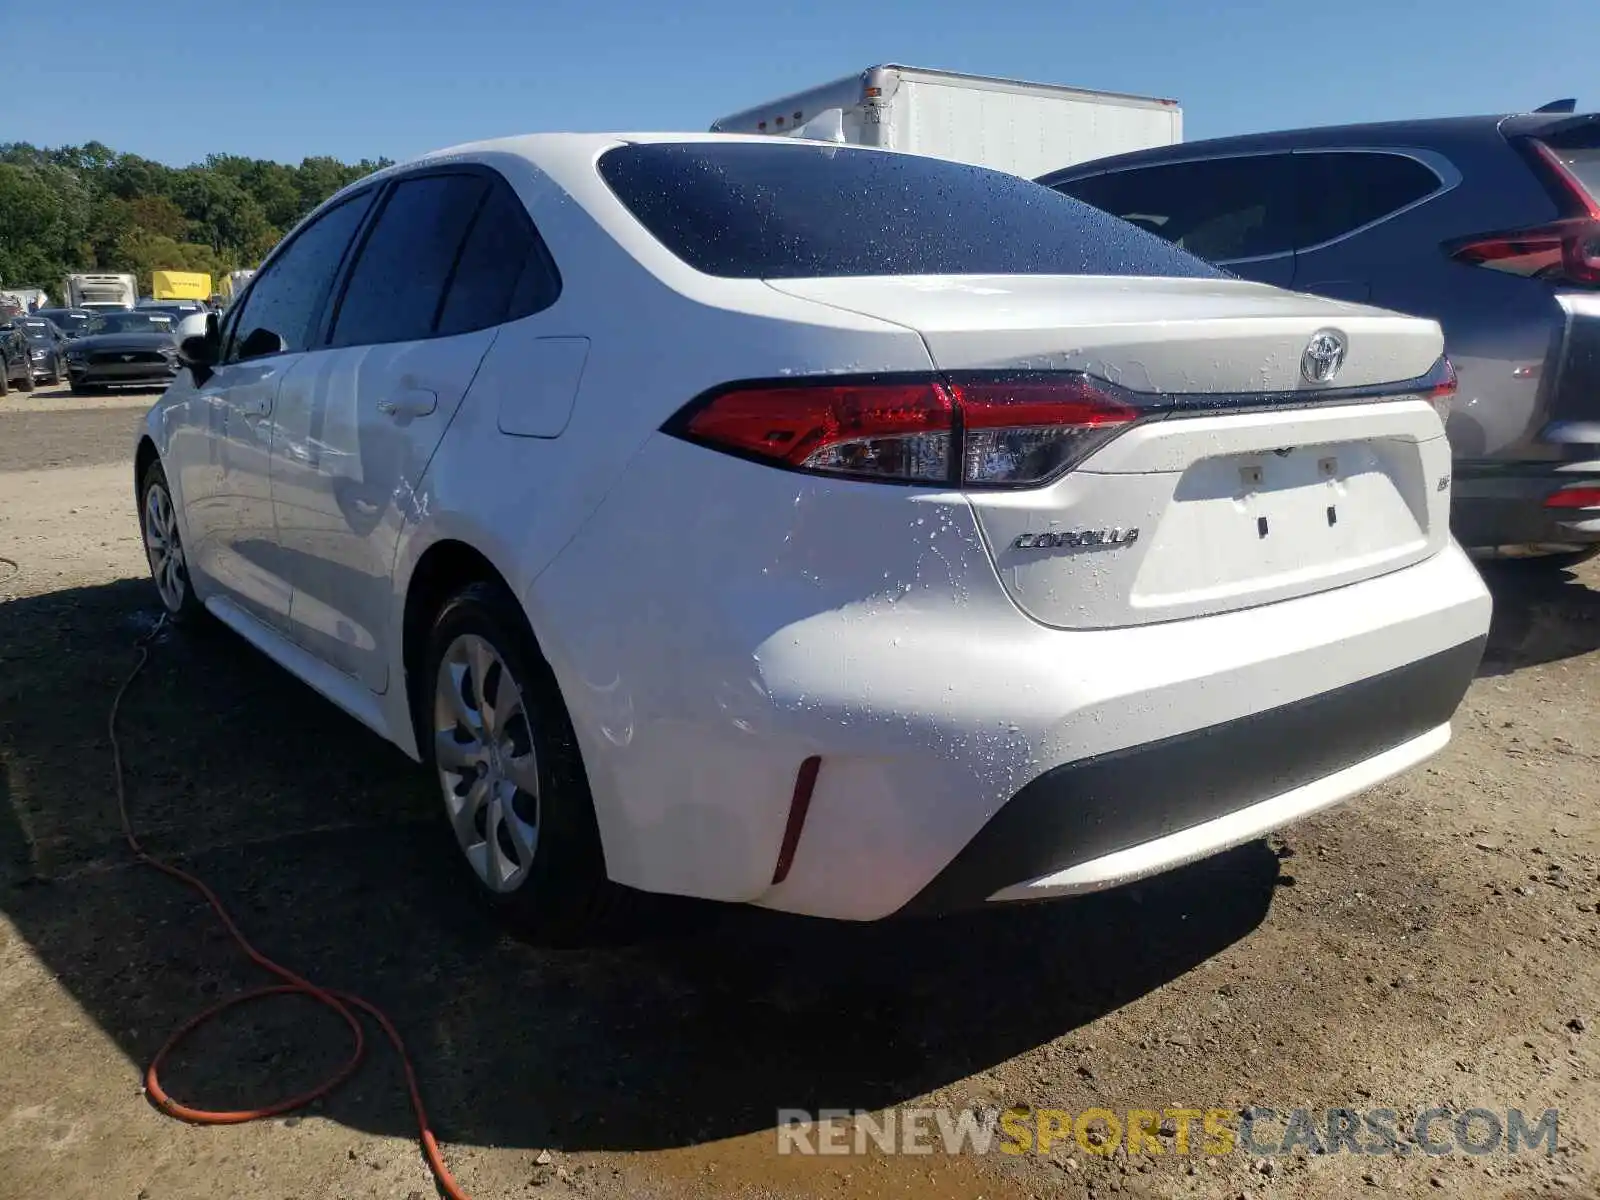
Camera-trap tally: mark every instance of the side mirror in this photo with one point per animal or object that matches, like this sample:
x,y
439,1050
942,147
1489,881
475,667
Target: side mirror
x,y
198,351
261,343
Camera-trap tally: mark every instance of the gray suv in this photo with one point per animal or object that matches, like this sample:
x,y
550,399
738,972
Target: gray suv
x,y
1490,225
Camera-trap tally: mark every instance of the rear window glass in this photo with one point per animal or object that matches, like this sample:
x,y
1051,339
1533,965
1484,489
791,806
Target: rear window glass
x,y
783,211
1582,162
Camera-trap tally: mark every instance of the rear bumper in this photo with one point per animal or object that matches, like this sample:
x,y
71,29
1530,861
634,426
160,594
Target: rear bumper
x,y
930,701
1501,505
1101,821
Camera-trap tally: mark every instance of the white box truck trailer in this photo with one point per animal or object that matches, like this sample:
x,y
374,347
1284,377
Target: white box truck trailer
x,y
100,291
1007,124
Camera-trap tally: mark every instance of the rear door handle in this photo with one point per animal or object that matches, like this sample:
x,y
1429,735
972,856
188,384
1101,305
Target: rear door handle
x,y
414,402
256,406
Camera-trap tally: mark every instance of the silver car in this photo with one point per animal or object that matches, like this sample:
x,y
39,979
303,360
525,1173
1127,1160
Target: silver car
x,y
1490,225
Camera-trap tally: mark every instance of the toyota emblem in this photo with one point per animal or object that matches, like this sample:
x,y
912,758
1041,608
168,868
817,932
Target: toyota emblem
x,y
1324,356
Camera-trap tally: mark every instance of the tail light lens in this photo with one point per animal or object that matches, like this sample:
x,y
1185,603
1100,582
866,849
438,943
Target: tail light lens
x,y
895,431
963,432
1564,251
1027,432
1442,393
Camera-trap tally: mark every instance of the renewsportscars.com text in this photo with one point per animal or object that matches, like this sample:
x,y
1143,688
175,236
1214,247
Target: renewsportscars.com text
x,y
1213,1131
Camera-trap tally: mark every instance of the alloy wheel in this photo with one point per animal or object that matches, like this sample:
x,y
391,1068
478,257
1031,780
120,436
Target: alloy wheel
x,y
163,547
488,769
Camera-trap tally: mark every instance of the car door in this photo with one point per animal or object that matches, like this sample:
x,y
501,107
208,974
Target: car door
x,y
360,418
1235,211
227,492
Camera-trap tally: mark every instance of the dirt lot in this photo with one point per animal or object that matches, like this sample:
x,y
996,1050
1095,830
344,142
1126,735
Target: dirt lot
x,y
1435,942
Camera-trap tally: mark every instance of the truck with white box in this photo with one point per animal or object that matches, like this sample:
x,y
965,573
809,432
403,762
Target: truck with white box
x,y
100,291
1007,124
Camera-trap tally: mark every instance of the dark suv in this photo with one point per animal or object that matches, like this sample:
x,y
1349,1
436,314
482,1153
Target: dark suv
x,y
1490,225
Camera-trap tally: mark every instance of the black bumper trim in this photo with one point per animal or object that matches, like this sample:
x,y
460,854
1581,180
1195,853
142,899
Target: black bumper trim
x,y
1096,806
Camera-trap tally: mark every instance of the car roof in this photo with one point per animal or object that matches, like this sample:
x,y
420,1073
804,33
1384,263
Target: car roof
x,y
572,148
1423,132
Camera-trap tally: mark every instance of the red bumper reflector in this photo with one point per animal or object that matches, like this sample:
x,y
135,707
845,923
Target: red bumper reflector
x,y
804,781
1575,498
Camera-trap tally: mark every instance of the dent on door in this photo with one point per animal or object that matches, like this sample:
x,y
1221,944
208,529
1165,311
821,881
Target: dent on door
x,y
357,428
238,538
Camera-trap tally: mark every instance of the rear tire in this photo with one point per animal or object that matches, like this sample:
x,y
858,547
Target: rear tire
x,y
5,382
496,735
164,550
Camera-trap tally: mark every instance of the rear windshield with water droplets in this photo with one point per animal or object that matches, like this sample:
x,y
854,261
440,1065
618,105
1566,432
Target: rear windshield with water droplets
x,y
786,210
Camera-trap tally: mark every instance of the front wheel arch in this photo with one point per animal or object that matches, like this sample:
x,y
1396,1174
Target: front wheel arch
x,y
142,458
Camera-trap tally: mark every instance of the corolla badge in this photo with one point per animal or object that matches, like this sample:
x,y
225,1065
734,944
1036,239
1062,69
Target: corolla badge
x,y
1075,538
1324,356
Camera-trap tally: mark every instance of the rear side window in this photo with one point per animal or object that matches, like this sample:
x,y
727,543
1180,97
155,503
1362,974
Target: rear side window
x,y
1221,209
398,282
504,272
1341,192
785,210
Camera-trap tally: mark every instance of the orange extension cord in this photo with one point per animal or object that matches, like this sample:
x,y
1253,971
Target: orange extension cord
x,y
342,1003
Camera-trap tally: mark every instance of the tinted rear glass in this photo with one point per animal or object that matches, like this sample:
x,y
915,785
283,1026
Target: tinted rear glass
x,y
752,210
1580,155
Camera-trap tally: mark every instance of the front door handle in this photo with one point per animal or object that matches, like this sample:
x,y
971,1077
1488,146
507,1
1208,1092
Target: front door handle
x,y
413,402
256,406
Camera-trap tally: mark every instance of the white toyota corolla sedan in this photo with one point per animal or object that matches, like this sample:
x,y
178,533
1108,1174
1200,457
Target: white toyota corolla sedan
x,y
840,531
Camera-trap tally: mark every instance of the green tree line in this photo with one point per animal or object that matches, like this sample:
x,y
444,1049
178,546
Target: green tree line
x,y
89,208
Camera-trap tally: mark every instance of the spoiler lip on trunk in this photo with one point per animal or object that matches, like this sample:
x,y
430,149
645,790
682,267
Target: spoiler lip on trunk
x,y
1440,375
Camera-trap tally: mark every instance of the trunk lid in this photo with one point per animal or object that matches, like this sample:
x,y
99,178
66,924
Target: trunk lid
x,y
1246,484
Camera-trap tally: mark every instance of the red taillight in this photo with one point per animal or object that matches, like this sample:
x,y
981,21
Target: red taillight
x,y
1564,251
1574,498
1442,393
884,430
1029,431
966,432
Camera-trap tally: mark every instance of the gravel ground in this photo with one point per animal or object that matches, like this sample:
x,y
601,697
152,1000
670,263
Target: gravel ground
x,y
1434,942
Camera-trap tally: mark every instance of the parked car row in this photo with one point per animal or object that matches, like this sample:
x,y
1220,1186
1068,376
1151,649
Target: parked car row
x,y
111,347
35,352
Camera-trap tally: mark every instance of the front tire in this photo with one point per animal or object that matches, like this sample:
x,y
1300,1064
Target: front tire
x,y
163,547
494,730
27,379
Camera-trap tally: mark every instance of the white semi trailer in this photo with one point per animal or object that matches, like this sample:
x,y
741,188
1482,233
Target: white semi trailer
x,y
1024,128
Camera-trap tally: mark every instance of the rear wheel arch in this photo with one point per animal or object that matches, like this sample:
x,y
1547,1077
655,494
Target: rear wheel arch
x,y
444,569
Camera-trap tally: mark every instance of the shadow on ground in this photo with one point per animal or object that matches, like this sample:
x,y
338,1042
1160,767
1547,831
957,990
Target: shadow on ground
x,y
325,844
1541,614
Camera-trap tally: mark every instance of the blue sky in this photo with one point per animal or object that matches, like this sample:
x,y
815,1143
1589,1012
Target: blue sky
x,y
287,78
